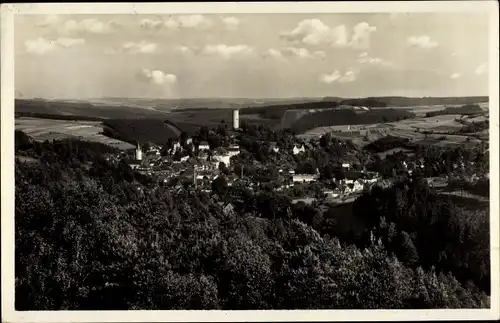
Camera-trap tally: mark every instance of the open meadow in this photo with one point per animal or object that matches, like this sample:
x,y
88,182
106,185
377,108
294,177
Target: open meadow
x,y
437,128
46,129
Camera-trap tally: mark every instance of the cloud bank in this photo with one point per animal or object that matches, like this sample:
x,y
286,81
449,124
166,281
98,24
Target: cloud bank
x,y
42,45
227,51
336,76
142,47
294,52
315,32
157,77
424,42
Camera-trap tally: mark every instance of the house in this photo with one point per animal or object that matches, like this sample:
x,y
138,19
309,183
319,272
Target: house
x,y
298,149
233,150
352,176
228,209
226,159
358,186
347,181
273,146
203,146
203,155
193,162
306,200
135,164
349,188
332,193
304,178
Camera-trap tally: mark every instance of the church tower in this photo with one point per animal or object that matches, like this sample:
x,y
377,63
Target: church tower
x,y
138,152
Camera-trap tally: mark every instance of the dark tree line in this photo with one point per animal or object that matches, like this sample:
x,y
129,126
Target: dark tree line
x,y
425,229
387,143
140,130
467,109
279,110
348,117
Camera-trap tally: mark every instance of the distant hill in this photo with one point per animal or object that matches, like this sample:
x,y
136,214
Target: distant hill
x,y
395,101
466,109
267,110
79,110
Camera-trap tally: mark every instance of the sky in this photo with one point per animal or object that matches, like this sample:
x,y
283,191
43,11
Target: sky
x,y
251,56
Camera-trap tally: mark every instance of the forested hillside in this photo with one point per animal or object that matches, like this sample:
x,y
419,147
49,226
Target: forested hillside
x,y
91,235
348,117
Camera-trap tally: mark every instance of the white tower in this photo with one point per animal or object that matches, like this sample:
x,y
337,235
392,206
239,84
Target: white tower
x,y
236,119
138,152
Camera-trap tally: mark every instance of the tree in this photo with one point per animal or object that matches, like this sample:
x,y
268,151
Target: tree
x,y
219,185
223,168
409,253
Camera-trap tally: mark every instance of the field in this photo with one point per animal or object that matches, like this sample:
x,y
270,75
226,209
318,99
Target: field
x,y
44,129
189,121
438,128
167,118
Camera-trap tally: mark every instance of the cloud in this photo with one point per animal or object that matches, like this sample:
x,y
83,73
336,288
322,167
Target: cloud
x,y
422,42
330,78
142,47
231,23
178,22
49,20
90,25
70,42
151,24
362,33
226,51
185,50
454,76
157,77
336,76
42,46
481,69
315,32
274,53
302,53
349,76
363,58
194,21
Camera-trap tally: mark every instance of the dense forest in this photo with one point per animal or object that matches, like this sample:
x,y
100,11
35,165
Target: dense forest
x,y
140,130
278,111
401,101
92,235
468,109
387,143
56,116
348,117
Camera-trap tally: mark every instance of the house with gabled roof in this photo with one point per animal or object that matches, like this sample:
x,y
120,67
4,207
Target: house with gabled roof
x,y
203,146
228,209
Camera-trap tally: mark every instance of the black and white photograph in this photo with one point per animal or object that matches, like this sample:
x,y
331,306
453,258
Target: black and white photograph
x,y
174,157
